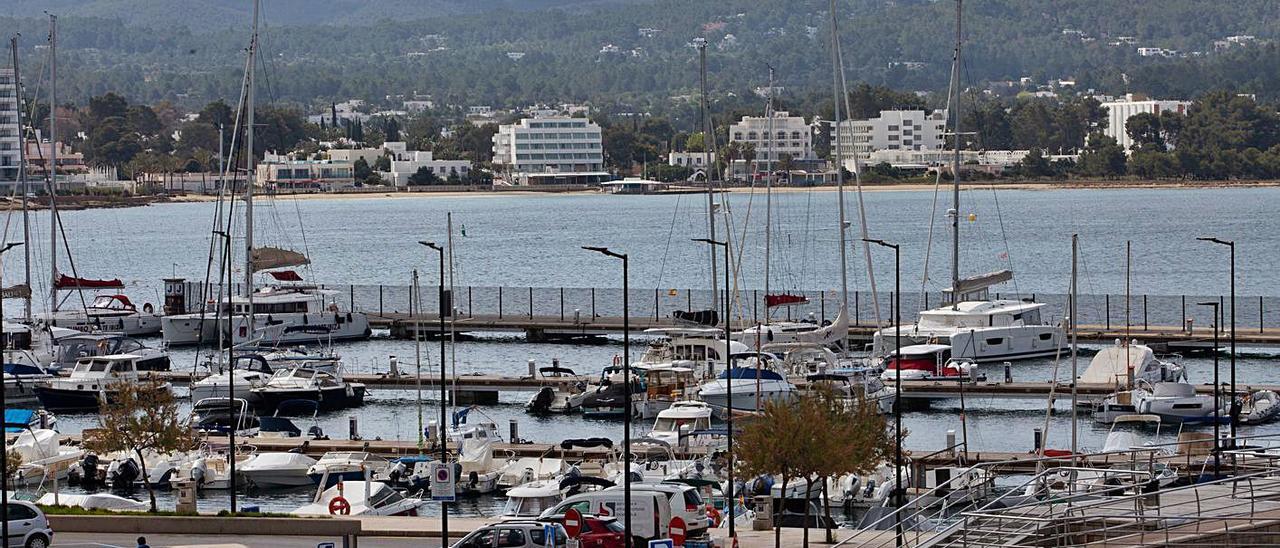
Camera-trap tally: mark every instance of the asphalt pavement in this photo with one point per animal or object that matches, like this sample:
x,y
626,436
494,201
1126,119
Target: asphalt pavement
x,y
91,540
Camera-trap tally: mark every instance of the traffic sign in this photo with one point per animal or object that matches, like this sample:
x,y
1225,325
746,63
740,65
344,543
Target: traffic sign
x,y
661,543
442,482
677,530
573,523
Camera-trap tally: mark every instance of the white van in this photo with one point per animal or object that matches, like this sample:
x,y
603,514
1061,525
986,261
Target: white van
x,y
650,512
652,506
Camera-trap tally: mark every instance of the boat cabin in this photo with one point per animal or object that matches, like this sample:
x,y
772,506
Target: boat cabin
x,y
101,367
73,348
698,345
111,305
979,314
530,500
696,415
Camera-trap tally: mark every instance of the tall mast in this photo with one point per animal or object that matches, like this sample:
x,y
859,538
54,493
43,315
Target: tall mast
x,y
955,166
707,138
22,179
53,163
1075,252
836,97
768,197
250,174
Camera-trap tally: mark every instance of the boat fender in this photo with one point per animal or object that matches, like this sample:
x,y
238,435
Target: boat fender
x,y
339,506
146,307
473,479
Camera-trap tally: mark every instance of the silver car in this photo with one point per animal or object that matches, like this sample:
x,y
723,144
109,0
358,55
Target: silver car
x,y
27,526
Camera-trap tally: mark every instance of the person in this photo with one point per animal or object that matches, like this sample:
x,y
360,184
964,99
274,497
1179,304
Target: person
x,y
142,542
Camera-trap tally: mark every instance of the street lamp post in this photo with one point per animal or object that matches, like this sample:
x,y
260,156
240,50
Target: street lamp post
x,y
1232,245
897,379
444,394
4,449
1217,386
728,381
626,375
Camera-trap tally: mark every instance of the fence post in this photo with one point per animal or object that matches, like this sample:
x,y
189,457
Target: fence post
x,y
926,300
1260,322
857,304
562,304
822,306
1183,318
352,293
499,302
755,309
1107,297
530,302
593,303
1144,312
891,311
470,310
380,299
655,304
688,297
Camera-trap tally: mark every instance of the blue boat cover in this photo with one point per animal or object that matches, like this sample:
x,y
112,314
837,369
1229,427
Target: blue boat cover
x,y
750,373
17,420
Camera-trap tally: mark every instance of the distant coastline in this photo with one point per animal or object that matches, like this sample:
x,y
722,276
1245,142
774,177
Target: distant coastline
x,y
108,202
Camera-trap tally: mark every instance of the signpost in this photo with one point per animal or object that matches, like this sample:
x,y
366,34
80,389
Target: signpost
x,y
549,535
677,529
573,523
442,482
661,543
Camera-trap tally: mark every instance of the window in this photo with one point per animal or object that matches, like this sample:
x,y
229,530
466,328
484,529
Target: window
x,y
795,135
893,128
737,136
20,512
893,137
995,341
751,136
510,538
1046,336
906,122
781,135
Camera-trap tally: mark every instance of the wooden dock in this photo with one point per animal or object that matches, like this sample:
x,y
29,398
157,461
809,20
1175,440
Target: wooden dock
x,y
539,328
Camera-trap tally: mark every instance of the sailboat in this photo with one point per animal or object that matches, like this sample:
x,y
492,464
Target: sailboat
x,y
976,326
287,311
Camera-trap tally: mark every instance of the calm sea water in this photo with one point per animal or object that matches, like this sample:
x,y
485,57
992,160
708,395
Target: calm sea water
x,y
534,241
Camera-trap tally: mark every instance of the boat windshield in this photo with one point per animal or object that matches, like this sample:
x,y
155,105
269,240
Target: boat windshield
x,y
667,424
528,506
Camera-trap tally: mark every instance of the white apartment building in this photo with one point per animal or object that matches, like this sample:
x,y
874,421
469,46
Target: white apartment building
x,y
893,130
1119,112
787,134
276,172
406,163
553,150
10,152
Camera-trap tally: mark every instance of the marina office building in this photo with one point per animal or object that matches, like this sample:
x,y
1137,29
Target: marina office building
x,y
9,136
550,150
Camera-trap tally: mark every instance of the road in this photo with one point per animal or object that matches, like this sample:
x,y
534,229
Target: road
x,y
90,540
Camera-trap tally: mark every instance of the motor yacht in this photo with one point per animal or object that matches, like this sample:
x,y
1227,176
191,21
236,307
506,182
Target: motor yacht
x,y
329,391
74,347
359,498
752,388
247,371
273,470
336,466
1125,364
112,312
682,417
92,381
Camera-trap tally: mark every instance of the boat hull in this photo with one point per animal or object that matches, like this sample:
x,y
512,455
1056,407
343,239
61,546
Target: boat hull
x,y
991,344
133,325
745,394
331,399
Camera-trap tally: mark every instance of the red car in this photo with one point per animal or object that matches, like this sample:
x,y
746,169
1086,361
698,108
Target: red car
x,y
598,532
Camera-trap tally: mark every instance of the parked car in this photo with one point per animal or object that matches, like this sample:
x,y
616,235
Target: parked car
x,y
28,524
513,534
598,531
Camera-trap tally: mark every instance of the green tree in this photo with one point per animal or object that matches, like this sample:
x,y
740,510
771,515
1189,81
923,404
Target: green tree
x,y
422,177
1034,164
1102,157
361,169
695,143
139,418
1151,164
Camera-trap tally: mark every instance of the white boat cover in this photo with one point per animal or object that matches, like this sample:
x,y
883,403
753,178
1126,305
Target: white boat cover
x,y
1112,364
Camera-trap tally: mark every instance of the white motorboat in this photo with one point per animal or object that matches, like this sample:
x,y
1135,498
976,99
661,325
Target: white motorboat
x,y
246,373
555,397
220,415
1171,401
980,329
702,346
282,315
359,498
94,501
530,500
751,388
72,348
478,472
664,385
91,382
209,469
108,312
682,417
1259,407
526,469
43,458
339,466
786,332
277,470
1124,364
328,390
924,361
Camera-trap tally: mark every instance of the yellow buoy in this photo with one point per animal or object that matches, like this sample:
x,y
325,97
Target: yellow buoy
x,y
973,217
672,292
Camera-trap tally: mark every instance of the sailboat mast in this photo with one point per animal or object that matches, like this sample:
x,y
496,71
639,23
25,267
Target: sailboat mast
x,y
835,124
250,173
1075,373
453,318
53,163
22,179
955,165
768,197
707,139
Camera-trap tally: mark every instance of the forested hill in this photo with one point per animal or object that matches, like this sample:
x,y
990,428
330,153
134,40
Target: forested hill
x,y
636,51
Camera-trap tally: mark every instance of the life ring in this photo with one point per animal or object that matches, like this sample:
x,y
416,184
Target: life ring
x,y
713,515
339,506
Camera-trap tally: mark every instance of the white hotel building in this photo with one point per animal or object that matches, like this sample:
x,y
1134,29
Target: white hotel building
x,y
551,150
9,136
784,134
1119,112
894,130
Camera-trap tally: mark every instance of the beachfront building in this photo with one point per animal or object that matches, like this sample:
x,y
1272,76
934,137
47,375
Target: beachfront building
x,y
551,150
38,155
774,137
693,160
405,164
1119,112
277,173
893,130
9,135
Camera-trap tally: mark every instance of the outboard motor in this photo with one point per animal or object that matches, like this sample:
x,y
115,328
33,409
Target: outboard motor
x,y
122,473
199,471
316,433
542,400
395,472
473,479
